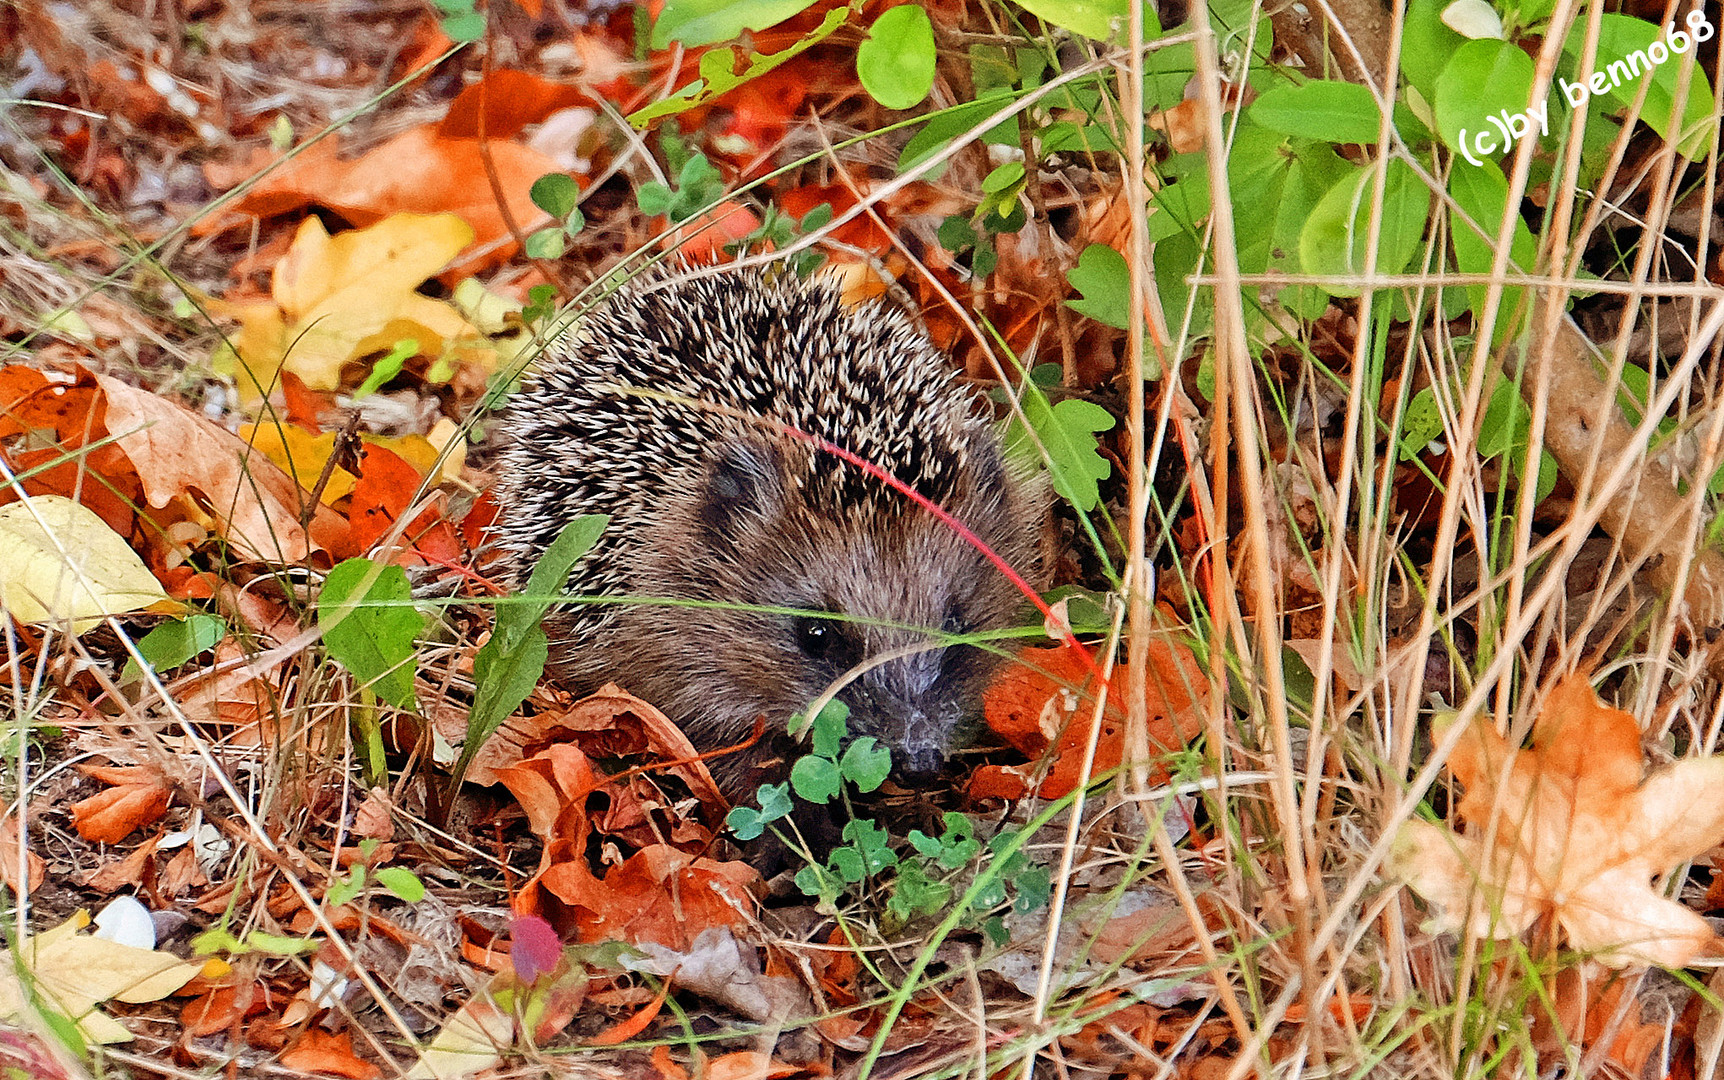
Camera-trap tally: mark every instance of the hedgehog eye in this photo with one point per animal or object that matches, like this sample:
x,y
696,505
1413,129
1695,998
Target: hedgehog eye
x,y
954,623
815,637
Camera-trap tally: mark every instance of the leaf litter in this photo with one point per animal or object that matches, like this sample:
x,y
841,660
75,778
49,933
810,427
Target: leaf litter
x,y
579,893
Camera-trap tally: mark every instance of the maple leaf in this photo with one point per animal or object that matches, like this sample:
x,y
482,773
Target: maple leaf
x,y
1580,830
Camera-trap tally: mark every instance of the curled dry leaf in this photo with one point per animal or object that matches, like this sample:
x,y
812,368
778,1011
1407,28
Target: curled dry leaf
x,y
138,798
1048,699
1577,830
661,893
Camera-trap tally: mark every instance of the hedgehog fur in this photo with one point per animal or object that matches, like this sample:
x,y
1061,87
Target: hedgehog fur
x,y
711,501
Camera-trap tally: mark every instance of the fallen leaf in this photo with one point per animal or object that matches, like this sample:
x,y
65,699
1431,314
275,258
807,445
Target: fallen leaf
x,y
59,562
319,1051
337,299
418,172
178,455
1048,700
1578,830
77,971
110,816
34,868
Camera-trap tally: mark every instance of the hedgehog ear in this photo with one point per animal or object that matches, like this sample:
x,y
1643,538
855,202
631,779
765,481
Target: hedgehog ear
x,y
743,479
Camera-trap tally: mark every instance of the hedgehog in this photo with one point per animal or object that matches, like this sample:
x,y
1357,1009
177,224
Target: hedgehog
x,y
672,408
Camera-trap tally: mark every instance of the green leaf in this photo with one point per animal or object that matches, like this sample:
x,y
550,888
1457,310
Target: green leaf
x,y
896,61
386,368
1067,431
866,764
653,198
556,194
748,823
848,864
1101,20
346,888
1004,178
1035,886
1426,44
550,576
509,664
944,126
549,243
278,944
745,822
469,26
1482,99
718,74
374,640
873,842
1421,424
830,728
1627,49
1333,241
819,882
815,779
1336,112
1104,279
1483,194
701,22
1506,422
173,643
402,882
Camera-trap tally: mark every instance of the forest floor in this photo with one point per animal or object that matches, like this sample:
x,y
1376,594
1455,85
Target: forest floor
x,y
1369,724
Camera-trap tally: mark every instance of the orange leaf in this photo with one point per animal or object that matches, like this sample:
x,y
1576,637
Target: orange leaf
x,y
1047,700
110,816
319,1051
384,493
1575,834
418,171
512,100
634,1025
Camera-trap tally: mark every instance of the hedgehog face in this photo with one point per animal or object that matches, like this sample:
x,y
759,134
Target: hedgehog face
x,y
876,594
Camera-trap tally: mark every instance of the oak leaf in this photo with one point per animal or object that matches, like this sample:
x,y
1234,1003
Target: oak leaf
x,y
1571,829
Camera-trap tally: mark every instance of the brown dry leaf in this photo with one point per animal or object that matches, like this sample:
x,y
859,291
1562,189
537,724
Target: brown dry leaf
x,y
183,457
1580,829
138,798
318,1051
1048,701
659,894
417,172
337,299
34,868
127,872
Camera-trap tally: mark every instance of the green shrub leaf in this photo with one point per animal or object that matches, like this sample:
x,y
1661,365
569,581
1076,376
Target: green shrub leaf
x,y
374,640
896,62
702,22
1336,112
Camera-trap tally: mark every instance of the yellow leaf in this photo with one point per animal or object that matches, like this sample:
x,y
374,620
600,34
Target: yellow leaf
x,y
1576,834
472,1040
76,568
343,297
301,455
75,972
